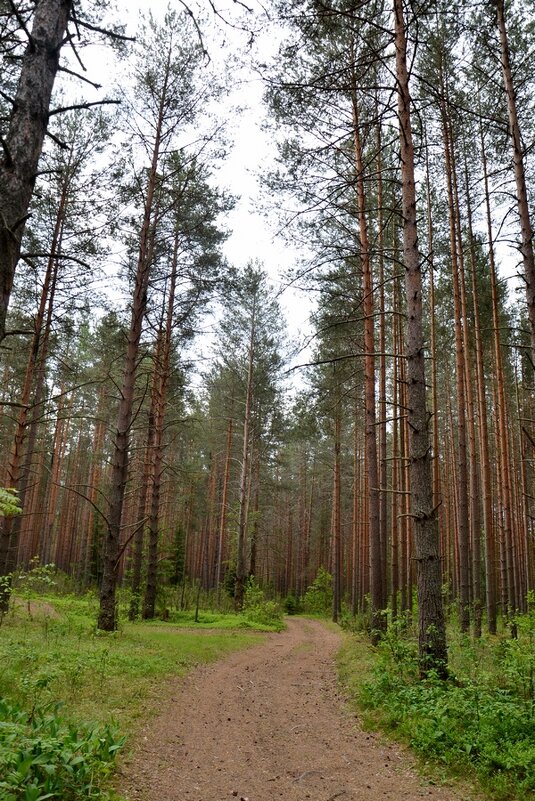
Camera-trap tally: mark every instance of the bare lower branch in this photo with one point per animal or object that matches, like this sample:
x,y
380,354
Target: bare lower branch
x,y
104,31
78,106
80,77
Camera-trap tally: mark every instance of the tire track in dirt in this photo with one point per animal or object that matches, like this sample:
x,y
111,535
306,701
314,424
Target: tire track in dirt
x,y
268,723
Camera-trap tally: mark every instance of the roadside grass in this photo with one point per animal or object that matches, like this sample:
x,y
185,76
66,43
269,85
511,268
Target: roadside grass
x,y
69,693
215,620
478,726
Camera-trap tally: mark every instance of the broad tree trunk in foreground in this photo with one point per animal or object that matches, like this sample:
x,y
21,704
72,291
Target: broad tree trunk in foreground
x,y
24,141
432,633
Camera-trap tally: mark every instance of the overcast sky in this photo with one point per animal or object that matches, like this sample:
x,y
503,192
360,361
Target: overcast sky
x,y
253,236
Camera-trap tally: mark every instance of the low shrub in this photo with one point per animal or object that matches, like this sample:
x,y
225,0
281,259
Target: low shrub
x,y
318,599
291,605
480,721
258,609
44,756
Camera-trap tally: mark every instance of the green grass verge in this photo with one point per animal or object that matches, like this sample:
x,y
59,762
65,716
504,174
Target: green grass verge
x,y
479,725
69,693
215,620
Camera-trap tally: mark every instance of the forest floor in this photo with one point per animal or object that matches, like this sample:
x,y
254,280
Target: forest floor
x,y
269,723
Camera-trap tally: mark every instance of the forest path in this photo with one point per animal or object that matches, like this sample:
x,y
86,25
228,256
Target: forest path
x,y
268,723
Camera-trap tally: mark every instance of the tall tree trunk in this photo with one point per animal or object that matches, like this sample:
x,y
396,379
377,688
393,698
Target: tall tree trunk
x,y
378,620
463,525
484,456
432,634
473,460
162,369
120,459
223,512
24,141
502,439
336,516
526,230
383,405
241,571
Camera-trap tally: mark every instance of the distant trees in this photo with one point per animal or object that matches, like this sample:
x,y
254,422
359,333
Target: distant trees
x,y
405,462
249,362
170,95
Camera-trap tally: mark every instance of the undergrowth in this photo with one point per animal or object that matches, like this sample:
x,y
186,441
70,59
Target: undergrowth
x,y
70,693
42,755
479,723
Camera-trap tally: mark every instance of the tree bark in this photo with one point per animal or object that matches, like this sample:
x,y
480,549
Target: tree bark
x,y
432,635
526,230
463,524
120,460
378,620
24,141
241,572
162,372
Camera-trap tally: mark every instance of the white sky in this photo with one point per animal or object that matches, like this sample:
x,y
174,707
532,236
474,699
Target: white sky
x,y
253,236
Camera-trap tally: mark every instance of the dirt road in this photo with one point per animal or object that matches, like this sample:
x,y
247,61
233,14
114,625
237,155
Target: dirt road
x,y
267,724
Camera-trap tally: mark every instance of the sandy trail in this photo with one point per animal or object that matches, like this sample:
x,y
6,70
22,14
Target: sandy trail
x,y
268,723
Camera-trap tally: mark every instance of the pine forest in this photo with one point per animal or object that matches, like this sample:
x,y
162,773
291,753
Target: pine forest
x,y
267,358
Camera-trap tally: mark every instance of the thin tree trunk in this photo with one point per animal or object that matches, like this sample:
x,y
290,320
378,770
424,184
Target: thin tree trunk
x,y
378,620
486,473
336,517
383,407
120,460
432,635
526,230
502,440
241,572
223,513
463,526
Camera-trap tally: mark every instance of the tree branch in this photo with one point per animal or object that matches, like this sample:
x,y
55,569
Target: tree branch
x,y
112,34
83,106
81,77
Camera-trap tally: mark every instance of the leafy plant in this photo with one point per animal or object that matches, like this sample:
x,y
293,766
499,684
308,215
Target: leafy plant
x,y
291,605
44,756
9,502
319,596
481,720
258,609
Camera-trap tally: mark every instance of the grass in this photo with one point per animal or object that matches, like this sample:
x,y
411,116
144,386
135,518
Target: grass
x,y
68,693
99,676
215,620
478,725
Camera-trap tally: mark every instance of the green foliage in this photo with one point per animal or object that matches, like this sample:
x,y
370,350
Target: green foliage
x,y
36,580
291,605
9,502
42,755
57,657
178,558
258,609
216,620
480,721
318,598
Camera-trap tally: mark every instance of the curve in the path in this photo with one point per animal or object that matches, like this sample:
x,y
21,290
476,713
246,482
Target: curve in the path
x,y
267,724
